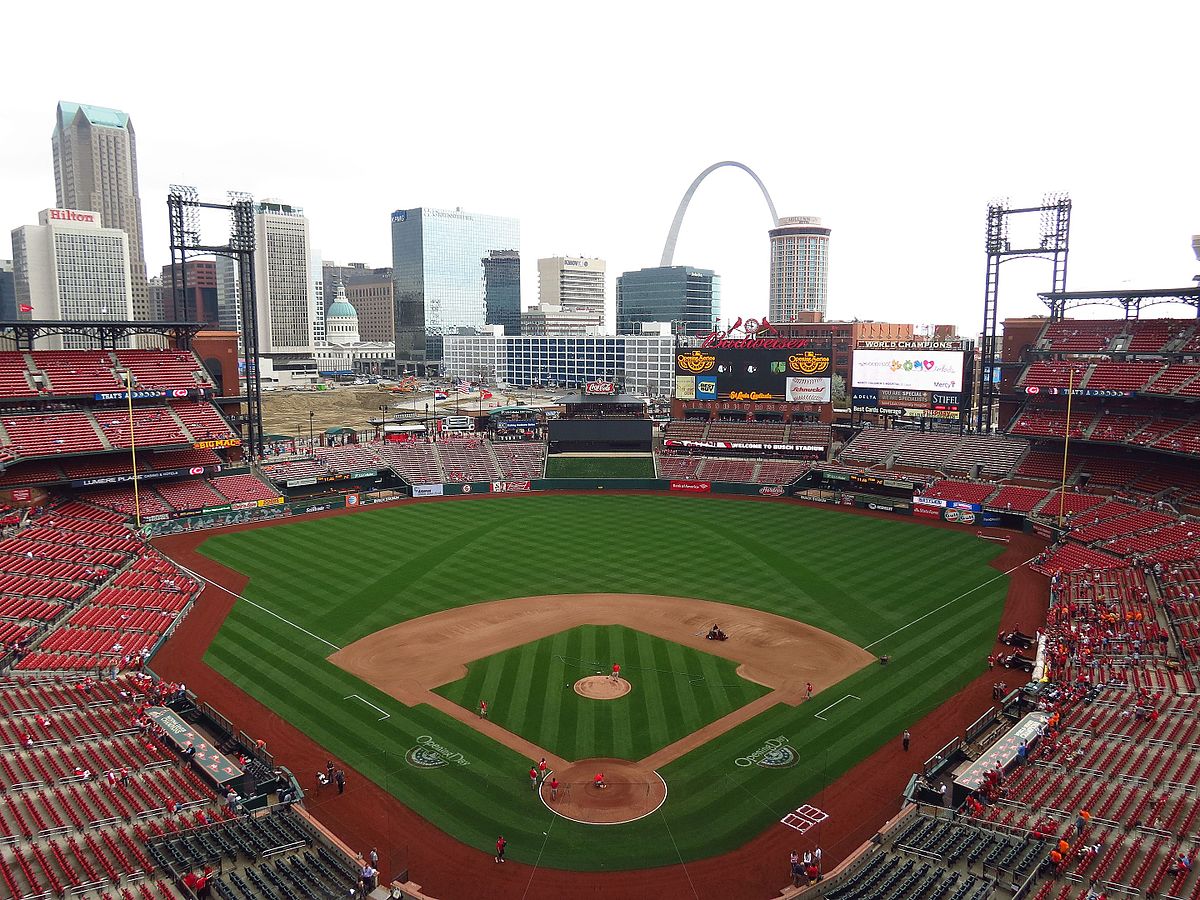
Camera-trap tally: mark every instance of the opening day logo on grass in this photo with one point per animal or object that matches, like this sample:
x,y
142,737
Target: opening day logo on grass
x,y
775,753
429,754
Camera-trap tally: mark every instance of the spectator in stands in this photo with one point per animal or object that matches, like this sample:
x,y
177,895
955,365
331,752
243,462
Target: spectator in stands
x,y
1183,863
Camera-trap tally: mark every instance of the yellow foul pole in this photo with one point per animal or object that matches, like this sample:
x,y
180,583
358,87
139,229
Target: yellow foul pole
x,y
1062,488
137,503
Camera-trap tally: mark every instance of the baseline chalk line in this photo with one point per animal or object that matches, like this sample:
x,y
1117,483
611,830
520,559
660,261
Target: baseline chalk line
x,y
386,715
833,704
269,612
965,593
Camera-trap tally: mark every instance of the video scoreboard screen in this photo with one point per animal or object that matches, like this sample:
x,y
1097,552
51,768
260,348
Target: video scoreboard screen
x,y
788,376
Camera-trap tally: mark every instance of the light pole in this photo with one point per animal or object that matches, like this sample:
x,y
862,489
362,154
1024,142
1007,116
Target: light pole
x,y
382,419
311,445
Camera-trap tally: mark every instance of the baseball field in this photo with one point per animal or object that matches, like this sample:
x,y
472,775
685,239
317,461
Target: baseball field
x,y
378,633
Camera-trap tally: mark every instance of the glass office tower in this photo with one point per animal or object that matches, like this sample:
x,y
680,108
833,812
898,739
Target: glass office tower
x,y
438,272
687,297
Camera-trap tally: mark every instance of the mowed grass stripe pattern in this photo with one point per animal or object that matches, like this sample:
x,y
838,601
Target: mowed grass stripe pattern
x,y
675,690
599,467
862,578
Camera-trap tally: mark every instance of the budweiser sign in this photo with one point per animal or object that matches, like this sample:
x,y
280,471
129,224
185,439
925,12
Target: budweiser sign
x,y
754,335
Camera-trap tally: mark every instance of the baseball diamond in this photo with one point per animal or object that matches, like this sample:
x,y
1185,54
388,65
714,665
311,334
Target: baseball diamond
x,y
352,580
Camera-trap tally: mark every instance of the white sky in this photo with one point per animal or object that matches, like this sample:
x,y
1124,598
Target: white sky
x,y
896,123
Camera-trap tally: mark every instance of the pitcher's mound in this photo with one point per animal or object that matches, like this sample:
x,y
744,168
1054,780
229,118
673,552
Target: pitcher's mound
x,y
602,687
632,792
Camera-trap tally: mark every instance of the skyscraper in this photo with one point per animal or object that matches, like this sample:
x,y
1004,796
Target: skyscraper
x,y
576,284
95,168
502,289
199,302
69,267
8,295
282,280
437,266
799,268
688,297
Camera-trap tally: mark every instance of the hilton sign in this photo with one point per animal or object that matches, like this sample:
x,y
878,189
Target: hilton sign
x,y
71,215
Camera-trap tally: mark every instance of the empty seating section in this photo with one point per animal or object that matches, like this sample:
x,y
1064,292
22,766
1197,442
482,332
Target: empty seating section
x,y
415,461
926,451
1117,427
963,491
780,471
1070,557
1054,375
1174,378
463,462
243,488
77,372
1122,376
518,460
187,495
292,469
1014,498
348,458
151,425
1142,520
1044,465
14,376
727,469
163,369
685,430
872,445
1048,423
1156,429
1157,335
748,432
49,435
31,473
122,499
1081,335
178,459
683,468
203,421
994,457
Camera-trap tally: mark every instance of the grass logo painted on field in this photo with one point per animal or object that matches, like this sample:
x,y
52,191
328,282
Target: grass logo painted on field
x,y
775,753
429,754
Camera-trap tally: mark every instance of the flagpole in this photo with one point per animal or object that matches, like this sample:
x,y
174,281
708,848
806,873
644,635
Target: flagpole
x,y
1062,488
137,503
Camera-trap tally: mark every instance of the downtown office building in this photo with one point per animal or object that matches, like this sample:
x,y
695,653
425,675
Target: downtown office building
x,y
440,258
640,364
688,298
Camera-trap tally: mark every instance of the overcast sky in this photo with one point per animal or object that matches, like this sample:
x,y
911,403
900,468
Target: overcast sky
x,y
896,123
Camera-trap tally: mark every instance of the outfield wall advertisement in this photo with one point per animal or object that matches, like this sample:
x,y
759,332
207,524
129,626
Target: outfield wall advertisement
x,y
784,375
909,370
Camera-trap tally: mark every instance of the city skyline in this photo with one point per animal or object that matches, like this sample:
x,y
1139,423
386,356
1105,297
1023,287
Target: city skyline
x,y
901,165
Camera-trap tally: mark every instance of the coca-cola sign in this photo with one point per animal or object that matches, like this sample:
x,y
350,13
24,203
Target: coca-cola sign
x,y
600,388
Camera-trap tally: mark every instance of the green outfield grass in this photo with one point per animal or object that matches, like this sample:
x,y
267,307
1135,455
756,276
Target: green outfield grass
x,y
676,690
866,579
599,467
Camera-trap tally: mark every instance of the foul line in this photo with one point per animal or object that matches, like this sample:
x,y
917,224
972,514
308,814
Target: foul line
x,y
833,704
680,855
538,861
386,715
258,606
948,602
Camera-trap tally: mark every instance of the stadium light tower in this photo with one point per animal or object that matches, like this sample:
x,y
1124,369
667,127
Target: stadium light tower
x,y
1053,243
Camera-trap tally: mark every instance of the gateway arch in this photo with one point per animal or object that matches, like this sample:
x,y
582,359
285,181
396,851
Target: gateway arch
x,y
673,235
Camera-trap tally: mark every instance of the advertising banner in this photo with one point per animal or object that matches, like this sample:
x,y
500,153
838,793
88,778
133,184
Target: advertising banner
x,y
927,512
743,445
946,504
428,490
22,495
510,487
808,389
692,487
174,394
157,475
214,444
959,516
300,482
789,375
917,370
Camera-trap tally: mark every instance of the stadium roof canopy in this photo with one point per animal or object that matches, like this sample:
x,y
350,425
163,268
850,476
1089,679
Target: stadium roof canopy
x,y
1131,301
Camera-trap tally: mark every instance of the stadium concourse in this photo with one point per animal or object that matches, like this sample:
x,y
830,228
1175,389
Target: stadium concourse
x,y
100,801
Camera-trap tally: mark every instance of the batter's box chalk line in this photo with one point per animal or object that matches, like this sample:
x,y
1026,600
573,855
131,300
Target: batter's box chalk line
x,y
833,704
804,818
386,715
